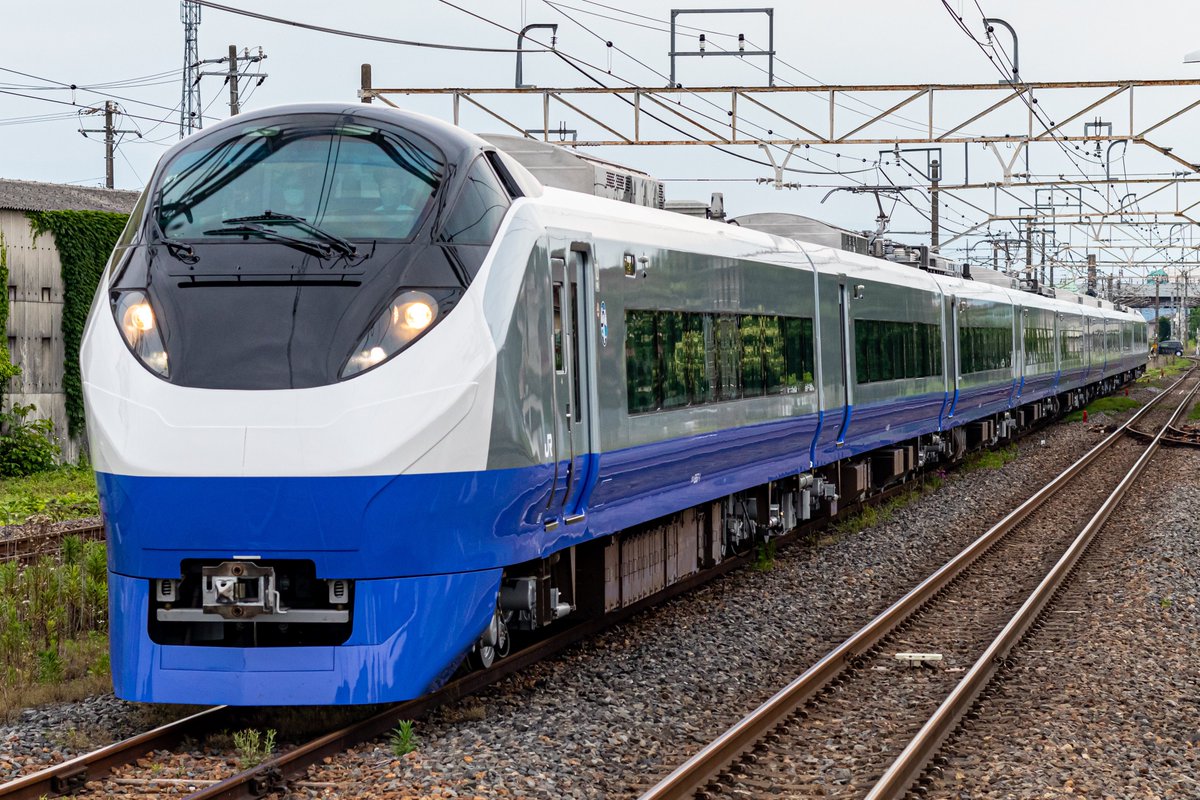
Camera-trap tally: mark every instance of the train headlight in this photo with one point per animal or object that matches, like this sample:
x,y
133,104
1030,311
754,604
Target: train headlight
x,y
411,313
139,325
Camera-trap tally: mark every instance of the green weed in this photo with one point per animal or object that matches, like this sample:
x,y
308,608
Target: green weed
x,y
764,556
1113,404
990,459
402,739
253,747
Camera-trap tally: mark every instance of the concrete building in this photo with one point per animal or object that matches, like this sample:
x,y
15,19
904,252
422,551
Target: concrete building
x,y
35,293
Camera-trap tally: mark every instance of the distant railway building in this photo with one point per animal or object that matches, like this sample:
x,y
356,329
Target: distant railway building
x,y
35,294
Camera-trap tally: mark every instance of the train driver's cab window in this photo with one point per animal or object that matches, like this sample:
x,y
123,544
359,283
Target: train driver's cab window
x,y
479,208
356,181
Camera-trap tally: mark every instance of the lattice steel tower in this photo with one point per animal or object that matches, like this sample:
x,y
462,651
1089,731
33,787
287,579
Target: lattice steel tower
x,y
190,114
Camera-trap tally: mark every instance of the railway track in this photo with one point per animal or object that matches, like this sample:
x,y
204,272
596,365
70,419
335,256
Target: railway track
x,y
862,721
70,776
44,541
291,765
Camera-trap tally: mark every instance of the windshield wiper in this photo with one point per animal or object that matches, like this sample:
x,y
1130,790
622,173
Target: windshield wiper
x,y
272,218
181,251
306,245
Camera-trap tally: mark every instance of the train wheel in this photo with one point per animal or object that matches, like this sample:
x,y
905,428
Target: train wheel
x,y
494,643
482,656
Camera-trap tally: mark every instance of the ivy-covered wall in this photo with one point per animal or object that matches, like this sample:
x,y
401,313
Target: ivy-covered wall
x,y
85,240
7,369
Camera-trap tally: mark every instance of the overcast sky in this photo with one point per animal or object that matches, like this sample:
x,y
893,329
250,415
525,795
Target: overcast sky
x,y
87,43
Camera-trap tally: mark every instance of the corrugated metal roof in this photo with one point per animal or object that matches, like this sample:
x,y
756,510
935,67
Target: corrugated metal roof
x,y
38,196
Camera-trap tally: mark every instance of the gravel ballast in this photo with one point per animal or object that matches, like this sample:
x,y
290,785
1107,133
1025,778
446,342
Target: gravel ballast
x,y
623,710
617,713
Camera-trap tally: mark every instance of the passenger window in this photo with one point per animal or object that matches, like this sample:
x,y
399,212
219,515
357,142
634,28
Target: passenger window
x,y
677,358
478,210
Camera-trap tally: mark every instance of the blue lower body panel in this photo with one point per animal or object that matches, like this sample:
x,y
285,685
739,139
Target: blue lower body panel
x,y
408,635
982,401
1036,387
880,424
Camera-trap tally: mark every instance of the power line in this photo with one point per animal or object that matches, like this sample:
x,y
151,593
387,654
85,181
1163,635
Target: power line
x,y
574,62
353,34
72,105
107,95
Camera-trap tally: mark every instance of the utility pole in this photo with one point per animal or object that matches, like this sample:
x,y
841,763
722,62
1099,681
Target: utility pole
x,y
1183,312
233,81
110,137
1091,275
935,175
234,73
1042,260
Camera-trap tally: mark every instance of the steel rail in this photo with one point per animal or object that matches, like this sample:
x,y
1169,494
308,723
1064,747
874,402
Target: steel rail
x,y
912,760
67,777
706,764
276,772
31,545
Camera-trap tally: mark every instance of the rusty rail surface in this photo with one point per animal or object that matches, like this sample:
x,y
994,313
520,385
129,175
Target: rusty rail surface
x,y
70,776
709,762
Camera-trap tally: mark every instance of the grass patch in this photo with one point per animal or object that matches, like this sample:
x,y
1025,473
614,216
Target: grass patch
x,y
877,514
1194,414
764,556
64,493
53,626
1113,404
253,747
990,459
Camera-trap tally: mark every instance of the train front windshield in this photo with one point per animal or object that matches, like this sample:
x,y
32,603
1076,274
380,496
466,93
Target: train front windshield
x,y
292,252
352,181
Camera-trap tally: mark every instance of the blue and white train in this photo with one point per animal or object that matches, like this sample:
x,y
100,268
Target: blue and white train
x,y
365,398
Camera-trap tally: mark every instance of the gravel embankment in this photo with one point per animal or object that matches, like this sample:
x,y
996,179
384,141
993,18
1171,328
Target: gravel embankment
x,y
620,711
853,733
623,710
1105,701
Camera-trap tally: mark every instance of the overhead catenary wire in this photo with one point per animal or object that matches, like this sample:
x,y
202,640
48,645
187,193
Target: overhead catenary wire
x,y
576,63
370,37
558,6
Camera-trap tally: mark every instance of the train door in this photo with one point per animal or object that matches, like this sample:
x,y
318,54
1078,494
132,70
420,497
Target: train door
x,y
1020,357
847,345
571,285
950,356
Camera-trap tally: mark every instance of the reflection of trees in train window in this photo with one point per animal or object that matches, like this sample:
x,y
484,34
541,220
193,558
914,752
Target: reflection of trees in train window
x,y
728,356
887,350
1071,347
641,361
676,359
685,341
984,348
1039,346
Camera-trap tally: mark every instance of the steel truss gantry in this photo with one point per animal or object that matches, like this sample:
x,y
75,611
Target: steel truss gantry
x,y
1010,120
942,123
